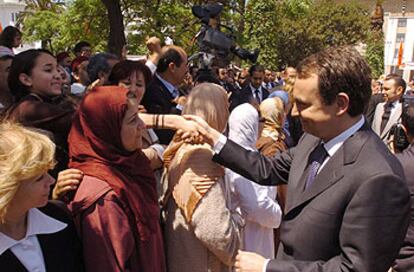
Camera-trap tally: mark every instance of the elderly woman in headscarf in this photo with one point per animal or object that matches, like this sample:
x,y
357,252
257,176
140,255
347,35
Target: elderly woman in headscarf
x,y
257,204
200,231
272,140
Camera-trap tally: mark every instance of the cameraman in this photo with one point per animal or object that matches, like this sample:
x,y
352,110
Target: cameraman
x,y
405,259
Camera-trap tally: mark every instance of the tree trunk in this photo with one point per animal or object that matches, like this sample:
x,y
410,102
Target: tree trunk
x,y
116,40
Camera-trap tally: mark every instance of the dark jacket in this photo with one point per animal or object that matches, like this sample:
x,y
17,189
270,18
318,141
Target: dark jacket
x,y
61,250
353,217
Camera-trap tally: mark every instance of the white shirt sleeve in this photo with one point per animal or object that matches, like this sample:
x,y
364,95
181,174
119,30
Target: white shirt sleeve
x,y
258,203
220,144
265,265
151,66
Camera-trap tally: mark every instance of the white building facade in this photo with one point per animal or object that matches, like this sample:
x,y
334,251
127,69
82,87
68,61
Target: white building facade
x,y
9,10
399,28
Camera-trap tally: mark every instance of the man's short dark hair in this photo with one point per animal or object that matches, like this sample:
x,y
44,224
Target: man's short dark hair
x,y
99,63
407,118
339,70
398,81
80,45
256,68
170,54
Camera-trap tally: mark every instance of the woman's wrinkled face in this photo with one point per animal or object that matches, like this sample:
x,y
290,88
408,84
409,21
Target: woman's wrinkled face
x,y
131,129
45,78
134,83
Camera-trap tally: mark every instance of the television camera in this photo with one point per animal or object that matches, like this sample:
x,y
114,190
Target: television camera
x,y
216,46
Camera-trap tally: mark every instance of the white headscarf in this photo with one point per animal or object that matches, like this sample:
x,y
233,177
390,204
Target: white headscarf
x,y
244,125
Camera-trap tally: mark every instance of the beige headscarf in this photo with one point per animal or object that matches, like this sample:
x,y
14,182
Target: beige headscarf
x,y
272,111
191,172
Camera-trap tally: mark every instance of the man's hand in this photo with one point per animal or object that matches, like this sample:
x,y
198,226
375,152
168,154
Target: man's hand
x,y
249,262
68,180
153,45
209,134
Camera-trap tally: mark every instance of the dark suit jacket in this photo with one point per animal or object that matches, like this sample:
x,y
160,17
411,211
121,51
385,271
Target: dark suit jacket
x,y
157,99
354,216
61,250
405,259
245,95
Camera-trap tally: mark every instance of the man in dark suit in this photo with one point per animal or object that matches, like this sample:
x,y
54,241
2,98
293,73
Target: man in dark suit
x,y
405,259
254,91
161,95
347,202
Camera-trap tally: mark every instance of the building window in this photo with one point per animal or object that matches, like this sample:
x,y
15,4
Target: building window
x,y
402,22
400,37
396,53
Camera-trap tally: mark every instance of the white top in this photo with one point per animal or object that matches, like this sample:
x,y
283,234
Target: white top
x,y
28,250
77,88
256,204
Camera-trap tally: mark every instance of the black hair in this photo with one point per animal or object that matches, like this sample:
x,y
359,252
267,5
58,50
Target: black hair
x,y
78,47
398,81
8,35
23,63
407,117
256,68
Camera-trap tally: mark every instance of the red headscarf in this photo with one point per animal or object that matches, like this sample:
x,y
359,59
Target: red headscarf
x,y
95,147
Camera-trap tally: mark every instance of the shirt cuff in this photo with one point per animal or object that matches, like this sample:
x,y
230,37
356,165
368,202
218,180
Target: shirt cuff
x,y
151,66
159,149
220,144
265,265
180,107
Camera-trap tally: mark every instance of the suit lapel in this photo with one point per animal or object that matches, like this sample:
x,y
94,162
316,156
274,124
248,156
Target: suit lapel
x,y
297,177
164,90
332,172
50,249
395,115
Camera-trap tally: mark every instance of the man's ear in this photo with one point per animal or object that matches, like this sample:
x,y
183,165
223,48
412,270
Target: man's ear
x,y
400,90
171,66
342,103
25,79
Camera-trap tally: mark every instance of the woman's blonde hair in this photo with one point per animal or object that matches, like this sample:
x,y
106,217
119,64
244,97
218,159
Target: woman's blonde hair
x,y
210,102
24,154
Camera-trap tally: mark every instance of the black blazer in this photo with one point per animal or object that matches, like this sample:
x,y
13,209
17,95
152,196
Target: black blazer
x,y
405,259
61,250
245,95
157,99
353,217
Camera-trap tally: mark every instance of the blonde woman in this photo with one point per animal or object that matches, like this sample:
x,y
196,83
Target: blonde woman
x,y
200,232
32,239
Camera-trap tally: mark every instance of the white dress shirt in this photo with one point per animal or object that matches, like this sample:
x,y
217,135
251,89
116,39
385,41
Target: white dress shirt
x,y
253,89
28,250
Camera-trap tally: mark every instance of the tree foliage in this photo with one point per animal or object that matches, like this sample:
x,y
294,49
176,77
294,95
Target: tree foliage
x,y
286,31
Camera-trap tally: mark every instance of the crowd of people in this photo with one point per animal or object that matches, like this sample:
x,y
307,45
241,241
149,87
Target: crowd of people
x,y
112,164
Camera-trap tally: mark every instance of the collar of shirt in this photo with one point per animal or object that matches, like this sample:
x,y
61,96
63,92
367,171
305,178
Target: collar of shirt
x,y
37,223
333,145
171,88
253,89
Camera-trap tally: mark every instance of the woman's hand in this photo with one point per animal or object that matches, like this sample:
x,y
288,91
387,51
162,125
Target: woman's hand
x,y
209,134
68,180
